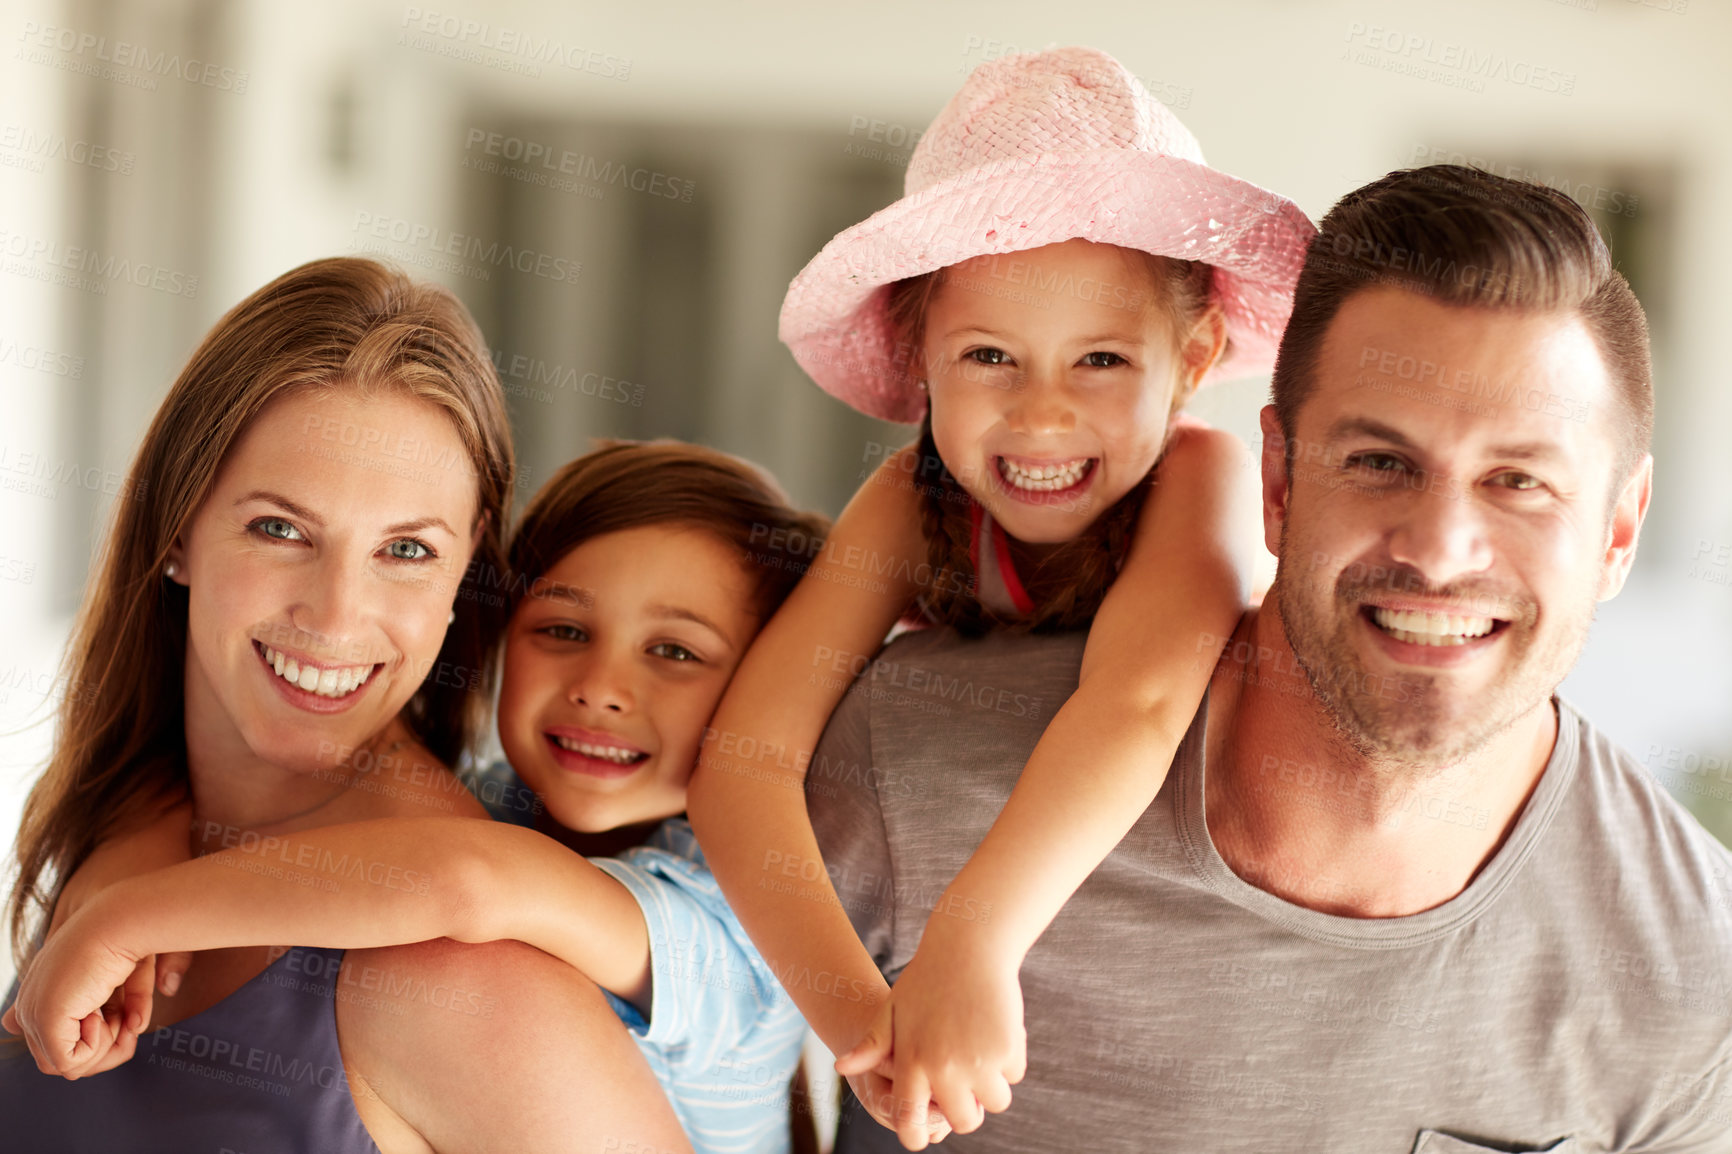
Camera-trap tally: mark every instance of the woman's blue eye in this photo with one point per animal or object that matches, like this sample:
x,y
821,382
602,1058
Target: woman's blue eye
x,y
988,356
674,652
402,549
1103,360
277,529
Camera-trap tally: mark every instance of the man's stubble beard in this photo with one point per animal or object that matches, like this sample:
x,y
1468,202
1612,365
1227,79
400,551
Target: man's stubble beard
x,y
1415,732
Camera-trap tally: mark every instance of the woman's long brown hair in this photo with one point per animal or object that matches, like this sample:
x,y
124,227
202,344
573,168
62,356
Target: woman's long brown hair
x,y
120,744
1067,583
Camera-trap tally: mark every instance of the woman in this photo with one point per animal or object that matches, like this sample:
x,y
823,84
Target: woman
x,y
290,628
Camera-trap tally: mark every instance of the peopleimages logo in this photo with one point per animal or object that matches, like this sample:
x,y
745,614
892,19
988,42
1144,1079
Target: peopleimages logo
x,y
467,39
435,242
122,54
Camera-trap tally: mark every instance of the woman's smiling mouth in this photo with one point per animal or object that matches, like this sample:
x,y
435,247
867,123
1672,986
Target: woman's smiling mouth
x,y
312,686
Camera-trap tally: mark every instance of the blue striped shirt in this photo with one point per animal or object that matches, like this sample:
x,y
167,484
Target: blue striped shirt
x,y
722,1035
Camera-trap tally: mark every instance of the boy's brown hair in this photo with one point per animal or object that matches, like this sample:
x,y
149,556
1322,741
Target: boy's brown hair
x,y
630,484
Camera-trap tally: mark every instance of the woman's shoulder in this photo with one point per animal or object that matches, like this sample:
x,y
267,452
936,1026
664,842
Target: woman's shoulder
x,y
412,1021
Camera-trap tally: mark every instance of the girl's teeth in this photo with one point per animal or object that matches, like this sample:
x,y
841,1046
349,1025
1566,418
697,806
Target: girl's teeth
x,y
1418,628
611,753
1043,478
324,682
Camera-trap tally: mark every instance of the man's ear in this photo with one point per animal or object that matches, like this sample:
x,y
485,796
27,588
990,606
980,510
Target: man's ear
x,y
1625,527
1277,485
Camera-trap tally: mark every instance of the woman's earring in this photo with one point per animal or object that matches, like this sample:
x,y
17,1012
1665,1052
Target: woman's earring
x,y
170,569
452,620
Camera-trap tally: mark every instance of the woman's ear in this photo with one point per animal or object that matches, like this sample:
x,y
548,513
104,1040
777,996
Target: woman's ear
x,y
174,567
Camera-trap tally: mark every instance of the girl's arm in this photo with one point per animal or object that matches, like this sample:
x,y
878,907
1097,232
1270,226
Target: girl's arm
x,y
749,810
362,884
1151,650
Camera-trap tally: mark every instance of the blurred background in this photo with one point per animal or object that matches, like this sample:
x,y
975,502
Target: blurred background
x,y
664,169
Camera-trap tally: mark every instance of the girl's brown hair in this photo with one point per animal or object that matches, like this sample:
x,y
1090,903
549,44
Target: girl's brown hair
x,y
631,484
120,747
1067,583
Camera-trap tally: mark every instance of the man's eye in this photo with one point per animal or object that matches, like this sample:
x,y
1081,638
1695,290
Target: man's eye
x,y
1523,482
1375,462
277,528
673,652
987,356
405,549
562,631
1103,360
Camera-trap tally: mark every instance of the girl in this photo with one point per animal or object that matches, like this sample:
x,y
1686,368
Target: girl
x,y
639,575
297,574
1063,272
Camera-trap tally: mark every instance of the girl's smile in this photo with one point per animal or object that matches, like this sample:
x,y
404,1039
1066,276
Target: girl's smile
x,y
1043,482
1048,408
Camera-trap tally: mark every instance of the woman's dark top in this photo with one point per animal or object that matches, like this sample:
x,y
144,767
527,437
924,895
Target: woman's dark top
x,y
257,1073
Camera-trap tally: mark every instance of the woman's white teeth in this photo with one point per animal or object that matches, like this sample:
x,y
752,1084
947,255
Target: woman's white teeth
x,y
1043,478
1418,628
324,682
611,753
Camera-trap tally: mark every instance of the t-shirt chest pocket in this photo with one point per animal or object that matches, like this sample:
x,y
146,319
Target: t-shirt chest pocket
x,y
1437,1142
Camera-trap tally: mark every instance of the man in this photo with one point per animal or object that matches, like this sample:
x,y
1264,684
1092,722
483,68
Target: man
x,y
1394,894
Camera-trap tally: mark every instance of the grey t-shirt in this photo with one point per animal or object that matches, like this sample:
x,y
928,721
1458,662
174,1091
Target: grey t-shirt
x,y
1577,996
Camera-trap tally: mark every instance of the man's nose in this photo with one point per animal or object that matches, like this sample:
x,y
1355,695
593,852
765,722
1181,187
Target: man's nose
x,y
1441,533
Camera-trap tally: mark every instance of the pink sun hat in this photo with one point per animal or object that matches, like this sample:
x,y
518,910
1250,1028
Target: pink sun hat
x,y
1038,148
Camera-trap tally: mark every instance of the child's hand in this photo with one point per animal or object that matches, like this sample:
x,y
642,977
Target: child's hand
x,y
83,1002
868,1070
958,1031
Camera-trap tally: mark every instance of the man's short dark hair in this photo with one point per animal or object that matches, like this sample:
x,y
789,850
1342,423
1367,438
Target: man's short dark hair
x,y
1467,237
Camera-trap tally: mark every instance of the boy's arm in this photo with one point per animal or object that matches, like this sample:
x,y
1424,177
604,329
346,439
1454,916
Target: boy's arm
x,y
746,802
355,885
1102,759
156,841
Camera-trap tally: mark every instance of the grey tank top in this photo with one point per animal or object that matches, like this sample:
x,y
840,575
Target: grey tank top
x,y
257,1073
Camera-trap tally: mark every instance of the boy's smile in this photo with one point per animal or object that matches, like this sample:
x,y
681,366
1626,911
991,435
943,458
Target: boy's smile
x,y
614,666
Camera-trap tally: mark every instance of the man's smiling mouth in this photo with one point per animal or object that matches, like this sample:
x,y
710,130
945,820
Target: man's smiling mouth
x,y
1418,627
